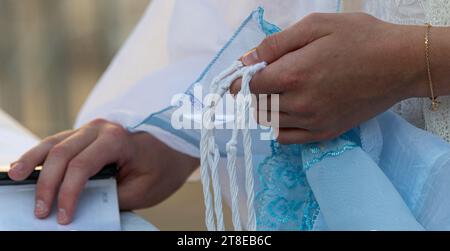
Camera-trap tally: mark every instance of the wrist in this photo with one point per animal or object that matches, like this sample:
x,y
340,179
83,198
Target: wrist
x,y
413,46
417,83
153,152
163,169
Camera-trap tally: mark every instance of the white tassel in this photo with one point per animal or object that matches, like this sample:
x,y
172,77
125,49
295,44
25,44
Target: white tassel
x,y
247,143
210,155
205,177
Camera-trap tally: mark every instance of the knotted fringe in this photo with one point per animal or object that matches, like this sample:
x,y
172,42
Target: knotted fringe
x,y
210,155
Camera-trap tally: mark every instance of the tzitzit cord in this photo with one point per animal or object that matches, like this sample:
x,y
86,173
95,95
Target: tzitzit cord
x,y
210,155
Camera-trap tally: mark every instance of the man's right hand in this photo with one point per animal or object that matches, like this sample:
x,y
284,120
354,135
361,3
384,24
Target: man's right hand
x,y
149,171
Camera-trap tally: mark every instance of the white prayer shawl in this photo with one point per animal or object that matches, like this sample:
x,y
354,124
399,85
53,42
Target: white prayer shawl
x,y
174,41
168,49
170,46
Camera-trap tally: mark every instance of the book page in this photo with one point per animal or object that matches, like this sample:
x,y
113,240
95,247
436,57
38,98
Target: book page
x,y
97,209
15,140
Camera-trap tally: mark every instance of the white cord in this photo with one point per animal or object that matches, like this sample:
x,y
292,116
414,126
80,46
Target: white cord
x,y
205,177
210,155
218,86
247,143
231,167
214,165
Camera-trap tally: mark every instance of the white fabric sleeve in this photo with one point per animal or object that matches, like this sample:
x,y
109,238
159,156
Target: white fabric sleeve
x,y
169,48
144,52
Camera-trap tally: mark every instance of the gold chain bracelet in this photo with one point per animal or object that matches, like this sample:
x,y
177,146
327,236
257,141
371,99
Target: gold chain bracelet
x,y
434,101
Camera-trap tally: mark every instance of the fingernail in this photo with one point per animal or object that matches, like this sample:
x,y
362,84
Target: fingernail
x,y
62,216
17,167
40,209
250,58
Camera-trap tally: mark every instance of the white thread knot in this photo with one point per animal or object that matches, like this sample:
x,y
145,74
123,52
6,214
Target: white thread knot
x,y
210,154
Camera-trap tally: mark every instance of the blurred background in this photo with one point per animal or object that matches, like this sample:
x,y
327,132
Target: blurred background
x,y
52,52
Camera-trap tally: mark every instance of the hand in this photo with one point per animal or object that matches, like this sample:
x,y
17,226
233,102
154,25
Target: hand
x,y
149,171
334,71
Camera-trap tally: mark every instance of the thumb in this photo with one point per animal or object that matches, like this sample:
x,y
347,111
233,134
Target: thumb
x,y
273,47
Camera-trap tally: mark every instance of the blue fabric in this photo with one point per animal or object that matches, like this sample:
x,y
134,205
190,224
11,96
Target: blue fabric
x,y
249,34
348,183
285,200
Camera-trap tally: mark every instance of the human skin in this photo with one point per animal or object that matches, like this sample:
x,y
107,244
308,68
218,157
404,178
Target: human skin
x,y
148,170
334,71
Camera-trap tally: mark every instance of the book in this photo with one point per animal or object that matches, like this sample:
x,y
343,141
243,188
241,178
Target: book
x,y
97,209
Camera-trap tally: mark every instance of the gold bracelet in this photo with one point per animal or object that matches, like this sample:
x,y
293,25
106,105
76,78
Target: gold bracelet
x,y
434,102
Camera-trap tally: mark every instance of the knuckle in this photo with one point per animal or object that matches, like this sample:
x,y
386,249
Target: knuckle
x,y
300,107
271,44
97,122
287,80
59,151
44,188
299,79
66,193
77,164
51,140
314,18
115,131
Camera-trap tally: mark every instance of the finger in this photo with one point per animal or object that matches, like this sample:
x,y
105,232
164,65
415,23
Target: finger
x,y
71,188
281,120
101,152
26,164
267,81
265,102
276,102
288,136
55,166
275,77
295,37
268,102
289,75
236,86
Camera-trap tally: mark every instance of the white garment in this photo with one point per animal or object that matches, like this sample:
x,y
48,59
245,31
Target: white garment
x,y
170,39
172,44
176,39
417,12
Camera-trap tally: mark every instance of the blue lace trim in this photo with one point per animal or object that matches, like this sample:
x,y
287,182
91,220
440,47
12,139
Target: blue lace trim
x,y
311,211
281,190
316,152
284,200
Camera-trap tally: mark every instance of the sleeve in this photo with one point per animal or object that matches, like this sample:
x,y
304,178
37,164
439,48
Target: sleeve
x,y
168,49
144,52
163,56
